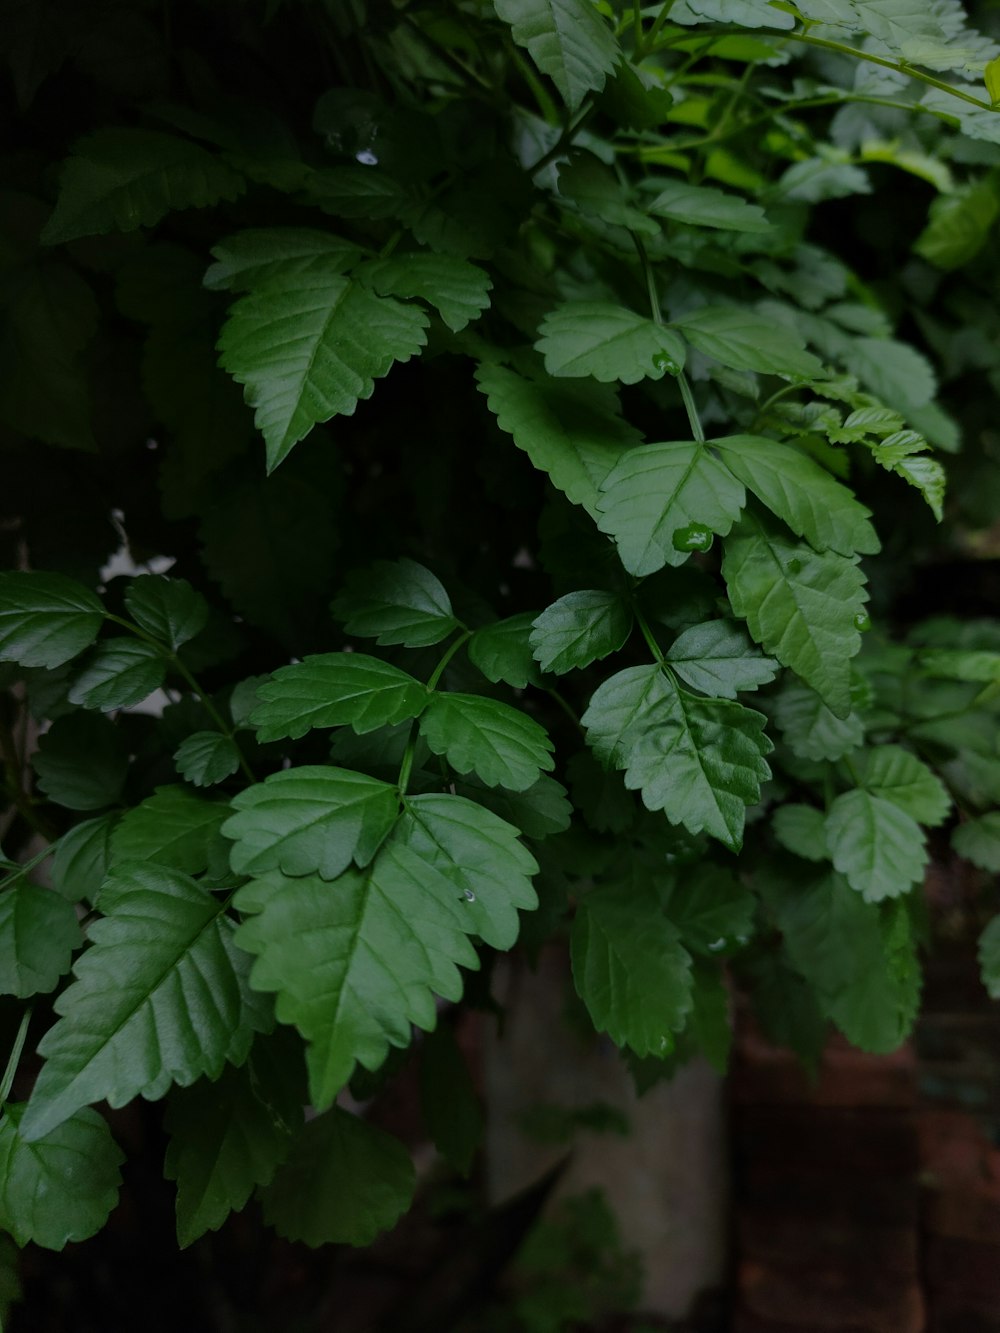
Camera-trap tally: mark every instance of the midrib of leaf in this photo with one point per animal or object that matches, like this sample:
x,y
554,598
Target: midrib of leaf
x,y
691,741
695,457
317,342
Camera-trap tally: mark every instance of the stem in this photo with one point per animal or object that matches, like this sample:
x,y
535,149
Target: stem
x,y
406,766
647,634
644,47
587,108
20,799
449,653
25,868
650,276
567,708
691,407
15,1056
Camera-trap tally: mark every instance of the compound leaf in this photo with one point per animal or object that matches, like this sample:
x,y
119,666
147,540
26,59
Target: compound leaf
x,y
892,773
458,291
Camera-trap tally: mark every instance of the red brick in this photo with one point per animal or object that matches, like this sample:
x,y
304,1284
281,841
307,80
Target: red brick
x,y
848,1244
828,1299
769,1075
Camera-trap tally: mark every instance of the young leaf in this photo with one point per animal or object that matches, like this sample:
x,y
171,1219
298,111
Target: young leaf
x,y
396,602
607,341
802,829
121,179
892,773
448,1101
169,609
567,39
83,858
309,345
502,651
61,1187
46,619
743,340
207,757
458,291
161,996
711,910
978,840
335,690
344,1181
38,934
879,849
810,729
504,746
800,605
81,762
574,432
702,206
580,628
989,958
802,494
719,659
311,819
657,493
175,828
118,674
920,470
630,968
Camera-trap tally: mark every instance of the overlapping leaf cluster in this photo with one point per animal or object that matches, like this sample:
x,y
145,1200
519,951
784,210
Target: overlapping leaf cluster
x,y
645,419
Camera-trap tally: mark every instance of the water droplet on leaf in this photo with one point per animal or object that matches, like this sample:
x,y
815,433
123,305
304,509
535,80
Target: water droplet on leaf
x,y
718,945
695,537
469,896
663,362
862,621
366,157
665,1045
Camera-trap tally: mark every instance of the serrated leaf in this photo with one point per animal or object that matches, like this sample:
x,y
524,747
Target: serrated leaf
x,y
308,344
448,1101
801,493
969,664
597,191
61,1187
700,761
609,342
876,846
344,1182
160,997
82,859
229,1136
702,206
810,729
121,179
893,371
802,830
501,744
46,619
207,757
256,255
118,674
989,958
38,935
800,605
920,470
747,13
81,762
655,494
580,628
458,291
312,819
711,910
719,659
574,432
743,340
958,225
539,811
978,841
169,609
502,651
396,602
896,775
335,690
567,39
630,968
175,828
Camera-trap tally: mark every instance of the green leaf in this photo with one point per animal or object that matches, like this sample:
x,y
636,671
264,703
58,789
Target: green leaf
x,y
252,257
81,762
893,371
539,811
46,619
989,958
61,1187
800,605
308,344
718,659
83,858
396,602
38,935
658,491
712,911
608,342
802,494
991,77
504,746
702,206
958,225
802,829
892,773
978,840
207,757
335,690
810,729
311,819
567,39
343,1183
175,828
630,968
228,1136
747,13
700,761
896,454
742,340
118,674
160,997
169,609
502,651
121,179
580,628
574,432
878,847
448,1101
961,664
597,191
599,795
458,291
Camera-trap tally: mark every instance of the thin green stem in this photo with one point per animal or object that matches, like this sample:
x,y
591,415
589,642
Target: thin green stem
x,y
20,799
691,407
647,269
406,766
449,653
769,402
648,635
645,45
565,140
15,1056
566,707
25,867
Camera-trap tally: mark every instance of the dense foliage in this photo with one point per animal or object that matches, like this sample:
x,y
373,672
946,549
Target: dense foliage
x,y
539,408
